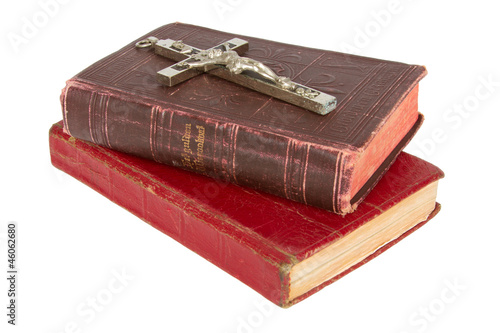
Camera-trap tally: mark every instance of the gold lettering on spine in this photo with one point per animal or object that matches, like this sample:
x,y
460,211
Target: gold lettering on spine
x,y
187,152
189,159
200,141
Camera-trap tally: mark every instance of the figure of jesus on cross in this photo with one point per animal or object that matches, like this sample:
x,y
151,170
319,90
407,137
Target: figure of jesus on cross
x,y
237,65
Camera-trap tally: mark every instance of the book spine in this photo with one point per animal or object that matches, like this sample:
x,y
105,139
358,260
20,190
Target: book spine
x,y
232,250
169,134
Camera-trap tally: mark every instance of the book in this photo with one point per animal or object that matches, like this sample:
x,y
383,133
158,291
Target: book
x,y
283,249
223,130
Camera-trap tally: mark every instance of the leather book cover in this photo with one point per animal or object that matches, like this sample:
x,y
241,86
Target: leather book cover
x,y
256,237
245,137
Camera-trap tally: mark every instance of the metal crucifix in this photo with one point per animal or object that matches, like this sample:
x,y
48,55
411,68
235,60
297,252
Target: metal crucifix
x,y
225,61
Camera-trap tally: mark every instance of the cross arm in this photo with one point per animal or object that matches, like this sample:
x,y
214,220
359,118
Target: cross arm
x,y
178,51
224,61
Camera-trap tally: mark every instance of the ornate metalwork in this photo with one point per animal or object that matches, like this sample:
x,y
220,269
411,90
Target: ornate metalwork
x,y
225,61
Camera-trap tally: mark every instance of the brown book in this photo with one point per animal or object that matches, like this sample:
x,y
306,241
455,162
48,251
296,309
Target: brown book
x,y
234,134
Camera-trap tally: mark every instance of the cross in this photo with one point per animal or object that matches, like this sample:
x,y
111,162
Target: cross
x,y
225,61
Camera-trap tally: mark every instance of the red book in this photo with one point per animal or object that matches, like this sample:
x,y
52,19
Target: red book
x,y
223,130
283,249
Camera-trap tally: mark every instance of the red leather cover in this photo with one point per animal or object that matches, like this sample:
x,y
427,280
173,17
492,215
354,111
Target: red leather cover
x,y
254,236
248,138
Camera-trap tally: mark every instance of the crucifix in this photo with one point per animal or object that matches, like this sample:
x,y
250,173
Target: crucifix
x,y
225,61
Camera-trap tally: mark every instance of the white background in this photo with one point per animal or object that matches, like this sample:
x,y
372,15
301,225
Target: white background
x,y
72,240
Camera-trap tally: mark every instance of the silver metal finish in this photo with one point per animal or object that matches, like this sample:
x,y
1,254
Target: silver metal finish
x,y
225,61
150,41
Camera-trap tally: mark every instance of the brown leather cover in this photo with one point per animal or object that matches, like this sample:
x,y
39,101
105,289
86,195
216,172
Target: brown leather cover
x,y
236,134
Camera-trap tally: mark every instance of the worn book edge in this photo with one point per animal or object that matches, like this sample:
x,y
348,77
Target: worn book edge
x,y
382,249
360,243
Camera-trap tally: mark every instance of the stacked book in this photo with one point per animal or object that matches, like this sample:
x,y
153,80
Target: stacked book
x,y
284,199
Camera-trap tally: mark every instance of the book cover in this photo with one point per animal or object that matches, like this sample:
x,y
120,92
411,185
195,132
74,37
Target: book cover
x,y
283,249
223,130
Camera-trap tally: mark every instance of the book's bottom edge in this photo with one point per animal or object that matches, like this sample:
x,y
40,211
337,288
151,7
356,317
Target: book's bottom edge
x,y
379,251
